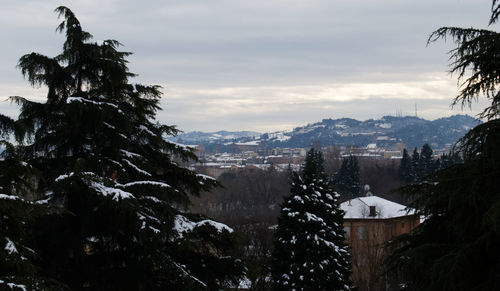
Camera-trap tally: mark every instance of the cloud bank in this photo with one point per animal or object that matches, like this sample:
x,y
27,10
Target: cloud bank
x,y
262,65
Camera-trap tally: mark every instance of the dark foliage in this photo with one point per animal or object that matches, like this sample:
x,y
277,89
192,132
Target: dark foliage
x,y
456,247
309,250
405,167
347,179
106,166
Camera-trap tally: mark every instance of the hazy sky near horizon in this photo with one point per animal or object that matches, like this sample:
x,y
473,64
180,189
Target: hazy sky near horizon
x,y
261,65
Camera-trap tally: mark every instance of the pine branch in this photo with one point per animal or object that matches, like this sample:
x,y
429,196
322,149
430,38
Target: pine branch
x,y
476,61
495,12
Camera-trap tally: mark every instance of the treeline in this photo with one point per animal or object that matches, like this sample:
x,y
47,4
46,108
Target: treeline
x,y
247,195
421,164
253,195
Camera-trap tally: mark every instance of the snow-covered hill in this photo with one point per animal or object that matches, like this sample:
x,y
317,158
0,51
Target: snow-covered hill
x,y
410,130
198,137
385,132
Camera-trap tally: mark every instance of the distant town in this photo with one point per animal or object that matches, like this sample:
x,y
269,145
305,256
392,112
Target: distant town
x,y
244,155
383,139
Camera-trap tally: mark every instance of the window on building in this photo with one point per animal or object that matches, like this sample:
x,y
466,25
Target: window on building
x,y
361,231
347,231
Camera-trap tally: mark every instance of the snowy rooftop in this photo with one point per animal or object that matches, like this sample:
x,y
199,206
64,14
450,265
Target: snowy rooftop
x,y
360,208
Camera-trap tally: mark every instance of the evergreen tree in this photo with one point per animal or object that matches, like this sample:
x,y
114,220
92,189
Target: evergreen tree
x,y
339,179
355,184
18,268
107,166
415,165
347,179
418,166
309,251
456,247
405,167
426,163
449,159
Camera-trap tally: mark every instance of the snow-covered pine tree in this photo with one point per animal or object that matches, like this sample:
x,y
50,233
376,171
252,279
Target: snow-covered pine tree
x,y
106,163
309,251
18,270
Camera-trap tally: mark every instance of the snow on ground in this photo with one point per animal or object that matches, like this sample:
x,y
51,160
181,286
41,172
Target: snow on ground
x,y
384,125
280,135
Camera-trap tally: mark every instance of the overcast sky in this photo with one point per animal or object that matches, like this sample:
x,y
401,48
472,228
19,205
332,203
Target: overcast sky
x,y
261,65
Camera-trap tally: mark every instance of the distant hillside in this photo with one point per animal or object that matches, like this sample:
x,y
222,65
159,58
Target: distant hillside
x,y
385,132
198,137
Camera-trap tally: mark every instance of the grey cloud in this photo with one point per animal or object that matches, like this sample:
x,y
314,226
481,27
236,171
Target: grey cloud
x,y
204,45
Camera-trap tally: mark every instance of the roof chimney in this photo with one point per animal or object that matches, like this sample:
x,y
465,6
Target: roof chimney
x,y
373,213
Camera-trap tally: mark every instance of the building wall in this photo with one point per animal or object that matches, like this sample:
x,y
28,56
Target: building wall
x,y
367,238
